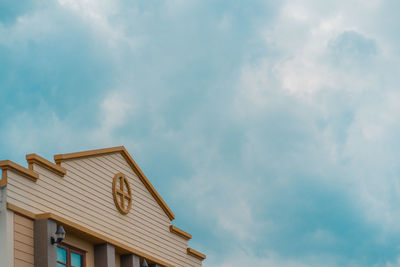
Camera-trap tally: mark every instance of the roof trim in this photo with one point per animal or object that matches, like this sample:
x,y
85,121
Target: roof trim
x,y
27,173
120,149
196,254
85,230
3,181
180,232
21,211
34,158
89,153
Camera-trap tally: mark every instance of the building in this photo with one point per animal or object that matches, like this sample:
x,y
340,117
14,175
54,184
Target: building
x,y
112,215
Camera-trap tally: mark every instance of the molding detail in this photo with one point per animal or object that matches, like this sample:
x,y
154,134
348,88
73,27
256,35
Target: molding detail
x,y
120,183
3,181
120,149
27,173
180,232
196,254
34,158
89,153
21,211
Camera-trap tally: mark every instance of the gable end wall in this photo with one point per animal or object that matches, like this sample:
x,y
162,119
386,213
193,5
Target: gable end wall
x,y
84,196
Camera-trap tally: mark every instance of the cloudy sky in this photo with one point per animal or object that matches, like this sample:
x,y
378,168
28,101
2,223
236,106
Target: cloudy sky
x,y
271,128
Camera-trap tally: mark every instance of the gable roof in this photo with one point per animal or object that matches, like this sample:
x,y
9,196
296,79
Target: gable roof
x,y
120,149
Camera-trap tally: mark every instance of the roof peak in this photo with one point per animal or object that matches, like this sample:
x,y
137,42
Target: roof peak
x,y
119,149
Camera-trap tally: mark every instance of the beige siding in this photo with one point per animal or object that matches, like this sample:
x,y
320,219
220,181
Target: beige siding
x,y
77,242
117,260
192,261
23,241
84,196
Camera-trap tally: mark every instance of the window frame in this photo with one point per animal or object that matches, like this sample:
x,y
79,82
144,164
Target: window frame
x,y
70,249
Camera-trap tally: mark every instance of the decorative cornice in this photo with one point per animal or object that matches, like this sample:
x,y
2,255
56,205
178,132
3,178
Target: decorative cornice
x,y
120,149
3,181
27,173
195,253
180,232
21,211
34,158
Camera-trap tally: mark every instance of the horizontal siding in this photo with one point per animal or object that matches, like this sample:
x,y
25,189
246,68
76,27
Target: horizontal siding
x,y
104,188
84,196
87,194
23,239
74,213
193,261
119,234
110,212
23,242
21,263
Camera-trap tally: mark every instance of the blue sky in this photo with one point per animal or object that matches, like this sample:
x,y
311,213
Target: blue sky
x,y
271,128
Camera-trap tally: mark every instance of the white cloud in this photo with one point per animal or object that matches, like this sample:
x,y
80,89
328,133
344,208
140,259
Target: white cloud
x,y
116,110
42,129
92,10
99,15
296,11
297,109
25,133
225,23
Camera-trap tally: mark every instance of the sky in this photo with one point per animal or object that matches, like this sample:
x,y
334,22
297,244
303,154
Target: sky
x,y
270,128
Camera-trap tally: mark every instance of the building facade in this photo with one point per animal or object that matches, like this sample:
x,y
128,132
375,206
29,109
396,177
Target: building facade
x,y
110,212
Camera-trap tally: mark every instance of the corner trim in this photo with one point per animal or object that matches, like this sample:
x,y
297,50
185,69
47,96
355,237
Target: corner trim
x,y
196,254
34,158
120,149
3,181
27,173
180,232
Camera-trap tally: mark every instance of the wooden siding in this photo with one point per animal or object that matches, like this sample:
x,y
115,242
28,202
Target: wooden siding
x,y
84,196
77,242
117,260
23,242
192,261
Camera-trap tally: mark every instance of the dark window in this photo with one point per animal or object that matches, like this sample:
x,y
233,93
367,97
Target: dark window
x,y
68,256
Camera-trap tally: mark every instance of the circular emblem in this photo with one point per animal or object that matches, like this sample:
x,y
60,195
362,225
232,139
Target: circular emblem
x,y
122,193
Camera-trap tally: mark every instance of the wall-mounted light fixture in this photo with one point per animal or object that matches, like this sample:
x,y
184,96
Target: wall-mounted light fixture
x,y
144,263
59,236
